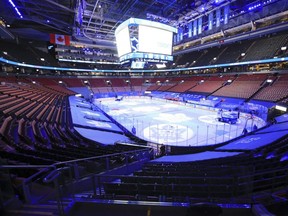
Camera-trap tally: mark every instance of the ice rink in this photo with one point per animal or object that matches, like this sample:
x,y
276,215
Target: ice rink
x,y
173,123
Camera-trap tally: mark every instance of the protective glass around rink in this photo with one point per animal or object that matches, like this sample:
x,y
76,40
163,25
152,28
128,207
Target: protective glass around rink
x,y
176,124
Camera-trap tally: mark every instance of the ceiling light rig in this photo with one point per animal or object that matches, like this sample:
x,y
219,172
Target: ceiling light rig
x,y
16,9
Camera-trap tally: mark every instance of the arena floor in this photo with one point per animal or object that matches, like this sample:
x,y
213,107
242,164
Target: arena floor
x,y
172,123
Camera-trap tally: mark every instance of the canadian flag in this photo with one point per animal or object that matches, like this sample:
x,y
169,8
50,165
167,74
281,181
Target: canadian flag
x,y
60,39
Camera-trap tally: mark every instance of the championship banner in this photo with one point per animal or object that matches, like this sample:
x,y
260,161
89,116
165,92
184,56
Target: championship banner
x,y
200,25
210,20
226,14
190,27
180,32
218,15
194,27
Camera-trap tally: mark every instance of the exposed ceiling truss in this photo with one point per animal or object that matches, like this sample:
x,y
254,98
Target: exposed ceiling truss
x,y
95,21
54,16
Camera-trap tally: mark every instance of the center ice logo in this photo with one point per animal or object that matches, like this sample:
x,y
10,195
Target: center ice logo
x,y
168,133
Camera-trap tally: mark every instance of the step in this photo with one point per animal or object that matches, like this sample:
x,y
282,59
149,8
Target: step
x,y
28,212
40,206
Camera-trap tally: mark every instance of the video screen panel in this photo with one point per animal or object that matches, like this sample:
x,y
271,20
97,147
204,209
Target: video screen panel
x,y
137,65
155,40
123,42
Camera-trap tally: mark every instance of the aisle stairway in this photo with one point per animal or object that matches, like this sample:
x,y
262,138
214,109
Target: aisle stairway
x,y
50,208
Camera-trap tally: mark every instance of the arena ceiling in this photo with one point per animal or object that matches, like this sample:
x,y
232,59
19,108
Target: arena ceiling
x,y
94,21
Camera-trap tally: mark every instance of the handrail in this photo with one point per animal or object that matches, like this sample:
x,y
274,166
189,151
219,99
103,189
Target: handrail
x,y
51,176
185,177
24,166
53,166
132,144
36,174
169,177
102,156
43,169
54,174
53,171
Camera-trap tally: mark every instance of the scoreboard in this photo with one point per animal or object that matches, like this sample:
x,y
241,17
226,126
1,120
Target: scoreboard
x,y
143,41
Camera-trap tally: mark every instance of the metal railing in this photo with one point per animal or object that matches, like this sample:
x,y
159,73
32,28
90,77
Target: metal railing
x,y
53,181
242,188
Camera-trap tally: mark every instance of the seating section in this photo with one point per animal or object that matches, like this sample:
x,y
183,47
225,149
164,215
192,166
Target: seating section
x,y
187,59
212,84
276,91
209,56
233,52
36,128
235,178
265,47
155,83
115,86
36,125
47,59
186,84
25,53
73,82
243,86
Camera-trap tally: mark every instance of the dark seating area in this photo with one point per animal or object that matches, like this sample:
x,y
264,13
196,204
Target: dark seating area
x,y
265,47
209,56
25,53
242,178
233,52
188,59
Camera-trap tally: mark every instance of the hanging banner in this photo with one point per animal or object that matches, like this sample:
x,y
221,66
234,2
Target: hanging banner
x,y
194,27
180,32
175,39
226,14
190,26
200,25
178,35
210,20
218,15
